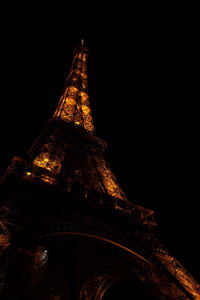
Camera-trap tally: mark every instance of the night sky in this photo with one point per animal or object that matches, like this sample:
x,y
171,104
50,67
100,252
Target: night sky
x,y
144,87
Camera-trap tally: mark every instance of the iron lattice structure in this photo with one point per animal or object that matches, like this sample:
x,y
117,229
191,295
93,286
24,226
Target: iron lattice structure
x,y
66,222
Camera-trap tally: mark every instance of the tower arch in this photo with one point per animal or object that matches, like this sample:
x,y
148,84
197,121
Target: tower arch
x,y
96,287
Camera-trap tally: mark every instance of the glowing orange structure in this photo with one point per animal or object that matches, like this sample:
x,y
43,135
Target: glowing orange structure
x,y
74,103
74,108
67,230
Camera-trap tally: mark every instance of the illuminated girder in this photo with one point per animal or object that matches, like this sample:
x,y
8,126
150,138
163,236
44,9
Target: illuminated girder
x,y
74,103
51,151
74,108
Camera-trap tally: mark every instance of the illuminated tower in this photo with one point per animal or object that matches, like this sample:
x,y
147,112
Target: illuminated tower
x,y
67,229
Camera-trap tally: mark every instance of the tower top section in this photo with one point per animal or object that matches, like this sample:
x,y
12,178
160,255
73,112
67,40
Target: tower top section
x,y
74,106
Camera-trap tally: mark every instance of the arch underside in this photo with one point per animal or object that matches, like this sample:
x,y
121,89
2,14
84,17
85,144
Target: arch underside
x,y
96,287
110,261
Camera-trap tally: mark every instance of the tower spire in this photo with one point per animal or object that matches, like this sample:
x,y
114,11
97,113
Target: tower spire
x,y
59,150
74,106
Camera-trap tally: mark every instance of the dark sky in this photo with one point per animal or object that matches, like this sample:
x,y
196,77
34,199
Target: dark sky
x,y
144,84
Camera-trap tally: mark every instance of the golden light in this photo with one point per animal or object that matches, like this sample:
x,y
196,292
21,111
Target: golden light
x,y
74,104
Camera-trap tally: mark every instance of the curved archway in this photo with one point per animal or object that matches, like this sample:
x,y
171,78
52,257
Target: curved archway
x,y
96,287
94,237
67,270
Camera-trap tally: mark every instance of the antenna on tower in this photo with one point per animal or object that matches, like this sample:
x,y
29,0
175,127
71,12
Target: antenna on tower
x,y
82,42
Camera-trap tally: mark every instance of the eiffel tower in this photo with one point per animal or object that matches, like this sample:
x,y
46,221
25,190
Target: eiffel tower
x,y
67,229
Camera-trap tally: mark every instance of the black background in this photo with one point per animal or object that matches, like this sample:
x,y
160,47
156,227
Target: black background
x,y
144,92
